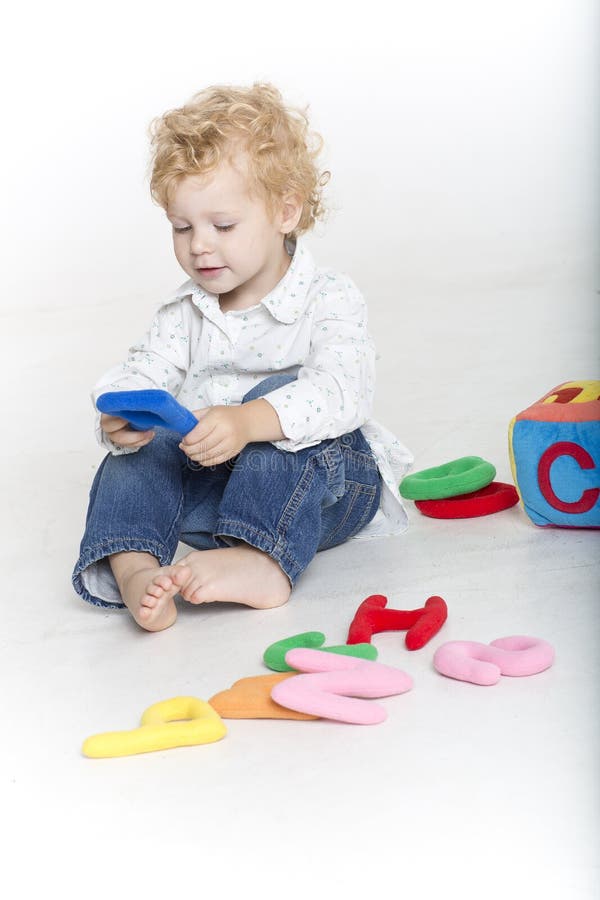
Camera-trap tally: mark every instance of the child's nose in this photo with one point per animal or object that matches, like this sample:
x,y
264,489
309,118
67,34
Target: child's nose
x,y
202,243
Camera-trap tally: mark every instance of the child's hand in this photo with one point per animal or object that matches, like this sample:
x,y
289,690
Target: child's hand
x,y
120,433
221,434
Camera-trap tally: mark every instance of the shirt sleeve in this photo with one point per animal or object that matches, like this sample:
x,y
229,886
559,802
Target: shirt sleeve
x,y
158,362
335,386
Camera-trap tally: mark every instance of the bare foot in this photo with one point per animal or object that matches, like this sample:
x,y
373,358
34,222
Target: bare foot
x,y
148,594
240,574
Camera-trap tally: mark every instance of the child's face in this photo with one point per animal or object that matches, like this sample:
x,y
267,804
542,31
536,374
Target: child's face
x,y
225,240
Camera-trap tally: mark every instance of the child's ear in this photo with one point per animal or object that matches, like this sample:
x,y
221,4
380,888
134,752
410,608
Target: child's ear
x,y
291,212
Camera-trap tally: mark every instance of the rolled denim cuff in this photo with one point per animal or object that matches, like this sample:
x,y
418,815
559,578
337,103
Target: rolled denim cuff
x,y
93,578
278,549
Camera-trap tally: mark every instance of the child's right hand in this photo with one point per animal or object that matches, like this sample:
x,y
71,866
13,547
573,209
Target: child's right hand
x,y
121,434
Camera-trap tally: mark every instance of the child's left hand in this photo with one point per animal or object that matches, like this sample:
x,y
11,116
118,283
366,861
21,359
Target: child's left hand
x,y
221,434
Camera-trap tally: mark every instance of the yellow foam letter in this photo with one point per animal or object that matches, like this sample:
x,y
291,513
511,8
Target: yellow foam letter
x,y
162,728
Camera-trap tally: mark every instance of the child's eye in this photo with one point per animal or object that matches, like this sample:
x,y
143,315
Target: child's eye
x,y
187,228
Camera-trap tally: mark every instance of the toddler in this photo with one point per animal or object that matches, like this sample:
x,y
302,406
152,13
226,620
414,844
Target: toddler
x,y
272,355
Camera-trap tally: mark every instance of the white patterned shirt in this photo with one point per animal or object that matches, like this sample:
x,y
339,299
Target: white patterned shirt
x,y
313,325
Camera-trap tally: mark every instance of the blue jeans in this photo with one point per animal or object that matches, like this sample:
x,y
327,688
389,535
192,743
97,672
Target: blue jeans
x,y
289,505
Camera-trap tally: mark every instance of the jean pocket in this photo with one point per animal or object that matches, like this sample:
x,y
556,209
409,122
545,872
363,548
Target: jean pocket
x,y
361,465
355,510
333,461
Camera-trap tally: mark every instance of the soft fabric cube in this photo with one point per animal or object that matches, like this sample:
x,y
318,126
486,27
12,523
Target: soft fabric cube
x,y
555,456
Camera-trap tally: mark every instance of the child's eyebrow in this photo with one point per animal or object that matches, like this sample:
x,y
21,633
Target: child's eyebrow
x,y
219,212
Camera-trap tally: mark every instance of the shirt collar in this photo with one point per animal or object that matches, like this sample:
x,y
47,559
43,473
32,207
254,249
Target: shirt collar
x,y
285,302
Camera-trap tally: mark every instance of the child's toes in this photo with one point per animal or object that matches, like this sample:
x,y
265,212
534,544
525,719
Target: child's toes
x,y
181,574
197,596
164,580
144,611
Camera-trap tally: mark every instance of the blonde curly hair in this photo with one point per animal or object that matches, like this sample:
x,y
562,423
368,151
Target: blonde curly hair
x,y
221,120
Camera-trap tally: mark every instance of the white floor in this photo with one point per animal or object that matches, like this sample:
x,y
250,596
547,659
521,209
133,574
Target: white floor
x,y
476,792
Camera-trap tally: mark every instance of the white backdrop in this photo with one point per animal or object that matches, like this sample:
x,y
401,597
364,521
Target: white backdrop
x,y
463,142
462,139
462,136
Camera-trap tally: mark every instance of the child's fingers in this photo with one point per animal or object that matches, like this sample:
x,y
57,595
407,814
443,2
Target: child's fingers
x,y
199,435
200,449
214,456
144,440
214,461
112,423
218,460
201,439
128,437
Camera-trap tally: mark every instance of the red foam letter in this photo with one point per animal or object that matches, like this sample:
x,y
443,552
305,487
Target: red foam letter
x,y
372,617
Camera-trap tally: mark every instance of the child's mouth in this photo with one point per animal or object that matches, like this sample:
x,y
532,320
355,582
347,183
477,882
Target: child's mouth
x,y
211,272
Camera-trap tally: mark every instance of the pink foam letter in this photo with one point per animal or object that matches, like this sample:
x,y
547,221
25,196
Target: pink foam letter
x,y
517,655
331,683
